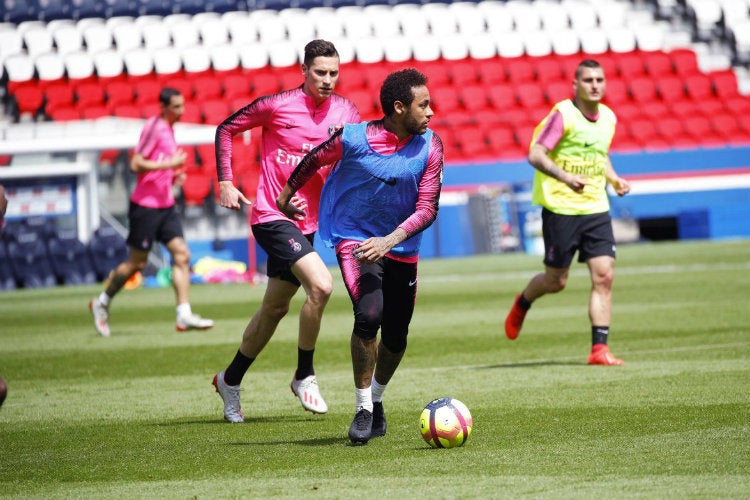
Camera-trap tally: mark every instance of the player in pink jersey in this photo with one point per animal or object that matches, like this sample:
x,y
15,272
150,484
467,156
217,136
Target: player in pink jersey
x,y
293,123
157,161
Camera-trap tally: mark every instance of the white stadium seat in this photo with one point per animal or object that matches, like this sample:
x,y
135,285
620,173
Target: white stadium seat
x,y
195,59
224,57
67,39
593,40
253,55
426,47
454,47
155,36
109,63
79,65
397,49
37,40
369,49
621,39
97,37
184,34
127,36
482,46
284,53
138,62
167,60
49,66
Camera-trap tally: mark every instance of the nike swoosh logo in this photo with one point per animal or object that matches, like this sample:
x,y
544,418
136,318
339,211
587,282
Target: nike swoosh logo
x,y
588,144
291,125
412,283
388,182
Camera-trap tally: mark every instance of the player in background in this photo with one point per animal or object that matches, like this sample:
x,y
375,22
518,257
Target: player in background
x,y
293,122
157,161
380,196
570,152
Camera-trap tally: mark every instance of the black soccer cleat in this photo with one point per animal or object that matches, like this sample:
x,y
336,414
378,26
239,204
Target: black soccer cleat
x,y
361,429
378,420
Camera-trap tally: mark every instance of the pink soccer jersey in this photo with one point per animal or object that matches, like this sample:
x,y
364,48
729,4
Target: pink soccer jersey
x,y
292,126
157,143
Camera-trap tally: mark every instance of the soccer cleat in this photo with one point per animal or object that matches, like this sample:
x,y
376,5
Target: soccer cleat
x,y
378,420
309,395
193,322
600,355
231,396
361,429
514,321
101,315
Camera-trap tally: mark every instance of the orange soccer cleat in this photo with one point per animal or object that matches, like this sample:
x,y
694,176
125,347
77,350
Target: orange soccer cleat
x,y
600,355
514,320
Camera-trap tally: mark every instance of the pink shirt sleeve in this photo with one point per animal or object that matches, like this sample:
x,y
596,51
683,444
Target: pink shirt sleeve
x,y
253,115
552,131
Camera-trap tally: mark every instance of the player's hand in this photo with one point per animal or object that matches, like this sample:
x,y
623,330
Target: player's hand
x,y
621,186
230,197
577,182
179,177
295,208
372,250
178,158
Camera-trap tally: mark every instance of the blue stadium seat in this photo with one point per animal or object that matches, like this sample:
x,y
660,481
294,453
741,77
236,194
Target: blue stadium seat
x,y
17,11
82,9
50,10
7,280
28,258
70,259
107,249
154,7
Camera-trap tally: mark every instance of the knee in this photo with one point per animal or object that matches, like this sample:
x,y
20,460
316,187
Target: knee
x,y
275,311
557,283
181,257
367,324
603,280
321,291
395,344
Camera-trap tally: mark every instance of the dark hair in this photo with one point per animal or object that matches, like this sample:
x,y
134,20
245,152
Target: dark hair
x,y
166,95
398,87
319,48
586,63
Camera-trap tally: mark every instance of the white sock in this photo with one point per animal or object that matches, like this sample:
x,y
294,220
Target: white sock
x,y
104,299
364,400
184,310
377,390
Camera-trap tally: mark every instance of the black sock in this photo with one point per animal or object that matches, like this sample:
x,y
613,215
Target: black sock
x,y
523,303
237,368
304,363
599,334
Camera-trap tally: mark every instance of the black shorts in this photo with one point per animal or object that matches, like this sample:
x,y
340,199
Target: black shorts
x,y
590,235
285,244
152,224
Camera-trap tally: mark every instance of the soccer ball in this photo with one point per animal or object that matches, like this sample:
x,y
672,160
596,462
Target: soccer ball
x,y
445,423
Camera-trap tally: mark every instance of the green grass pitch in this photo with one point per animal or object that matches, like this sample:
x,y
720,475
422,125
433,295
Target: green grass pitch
x,y
135,415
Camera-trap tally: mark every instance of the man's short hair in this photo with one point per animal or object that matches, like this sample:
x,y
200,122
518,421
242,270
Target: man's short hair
x,y
166,95
319,48
586,63
398,87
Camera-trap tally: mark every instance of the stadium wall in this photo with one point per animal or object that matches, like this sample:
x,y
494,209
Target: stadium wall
x,y
703,193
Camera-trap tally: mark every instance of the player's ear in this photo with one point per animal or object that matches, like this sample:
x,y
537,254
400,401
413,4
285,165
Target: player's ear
x,y
399,108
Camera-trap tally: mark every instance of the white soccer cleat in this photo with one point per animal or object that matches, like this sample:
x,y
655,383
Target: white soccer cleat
x,y
193,322
309,395
230,394
101,316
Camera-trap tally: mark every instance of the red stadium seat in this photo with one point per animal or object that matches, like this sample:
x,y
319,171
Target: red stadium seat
x,y
671,88
235,86
558,90
29,99
684,61
263,83
501,138
520,70
643,130
472,142
206,87
643,90
127,111
724,83
436,73
214,111
502,97
658,64
655,109
530,95
445,100
180,83
58,95
196,188
365,102
119,92
89,94
547,69
616,92
66,113
463,72
630,65
147,91
474,98
491,71
698,86
207,156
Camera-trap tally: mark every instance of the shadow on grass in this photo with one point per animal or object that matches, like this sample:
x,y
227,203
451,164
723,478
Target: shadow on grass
x,y
328,441
268,419
528,364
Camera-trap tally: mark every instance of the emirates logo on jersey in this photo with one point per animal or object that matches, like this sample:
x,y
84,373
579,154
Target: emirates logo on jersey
x,y
295,245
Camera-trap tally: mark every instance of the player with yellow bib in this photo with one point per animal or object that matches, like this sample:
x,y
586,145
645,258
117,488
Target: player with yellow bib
x,y
570,152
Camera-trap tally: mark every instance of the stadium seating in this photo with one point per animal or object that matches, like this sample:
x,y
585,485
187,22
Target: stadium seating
x,y
107,249
70,259
27,254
